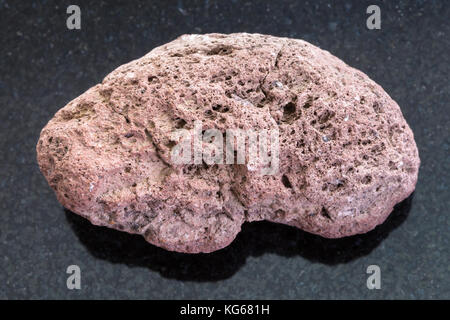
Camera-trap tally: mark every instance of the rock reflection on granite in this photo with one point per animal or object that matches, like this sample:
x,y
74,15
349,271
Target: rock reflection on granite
x,y
255,239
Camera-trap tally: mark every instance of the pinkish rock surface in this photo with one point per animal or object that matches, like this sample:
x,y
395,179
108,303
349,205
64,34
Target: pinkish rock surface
x,y
347,155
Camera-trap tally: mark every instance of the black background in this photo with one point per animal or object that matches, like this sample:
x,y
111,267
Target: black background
x,y
44,66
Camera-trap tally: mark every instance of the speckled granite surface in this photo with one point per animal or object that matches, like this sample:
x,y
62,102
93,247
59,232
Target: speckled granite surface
x,y
44,65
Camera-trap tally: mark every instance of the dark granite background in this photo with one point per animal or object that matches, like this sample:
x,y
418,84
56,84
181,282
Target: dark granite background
x,y
44,65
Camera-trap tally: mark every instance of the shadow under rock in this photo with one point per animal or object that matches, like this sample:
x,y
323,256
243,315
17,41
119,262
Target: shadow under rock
x,y
255,239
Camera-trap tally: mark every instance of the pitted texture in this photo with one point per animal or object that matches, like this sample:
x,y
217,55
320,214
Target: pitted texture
x,y
347,155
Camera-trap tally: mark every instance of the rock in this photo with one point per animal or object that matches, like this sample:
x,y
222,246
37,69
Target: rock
x,y
346,154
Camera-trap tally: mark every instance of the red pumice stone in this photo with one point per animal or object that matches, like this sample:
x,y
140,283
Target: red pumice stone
x,y
346,154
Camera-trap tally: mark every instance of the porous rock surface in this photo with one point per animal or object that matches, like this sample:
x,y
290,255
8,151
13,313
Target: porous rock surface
x,y
347,155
